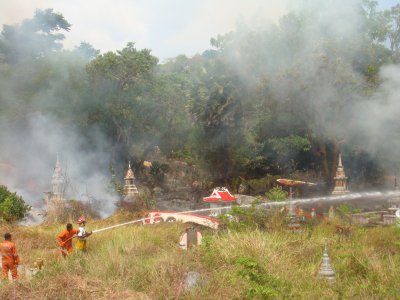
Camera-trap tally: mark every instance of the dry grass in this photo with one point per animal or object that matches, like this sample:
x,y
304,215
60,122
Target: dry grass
x,y
144,262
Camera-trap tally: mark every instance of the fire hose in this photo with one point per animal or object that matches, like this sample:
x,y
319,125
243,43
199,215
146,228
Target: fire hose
x,y
149,218
269,204
350,197
141,220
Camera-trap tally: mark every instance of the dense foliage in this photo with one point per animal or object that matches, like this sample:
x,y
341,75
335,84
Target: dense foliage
x,y
12,206
275,99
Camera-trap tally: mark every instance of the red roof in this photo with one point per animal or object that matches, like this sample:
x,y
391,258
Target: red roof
x,y
220,194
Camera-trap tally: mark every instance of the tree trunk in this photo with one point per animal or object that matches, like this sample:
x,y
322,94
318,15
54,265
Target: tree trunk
x,y
322,152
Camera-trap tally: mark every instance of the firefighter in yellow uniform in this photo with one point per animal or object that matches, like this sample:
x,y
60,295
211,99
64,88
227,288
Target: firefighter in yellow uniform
x,y
82,235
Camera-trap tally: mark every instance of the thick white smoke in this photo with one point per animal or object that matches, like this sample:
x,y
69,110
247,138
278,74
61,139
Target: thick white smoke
x,y
28,156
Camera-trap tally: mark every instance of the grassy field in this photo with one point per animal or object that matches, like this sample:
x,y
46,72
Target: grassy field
x,y
145,262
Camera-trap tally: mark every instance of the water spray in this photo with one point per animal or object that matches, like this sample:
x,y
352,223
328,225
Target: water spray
x,y
326,199
181,212
119,225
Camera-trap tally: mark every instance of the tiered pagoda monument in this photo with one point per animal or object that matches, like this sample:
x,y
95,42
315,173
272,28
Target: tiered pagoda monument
x,y
340,180
57,182
130,189
57,185
325,268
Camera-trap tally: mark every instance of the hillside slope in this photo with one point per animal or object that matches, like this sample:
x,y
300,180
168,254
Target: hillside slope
x,y
145,262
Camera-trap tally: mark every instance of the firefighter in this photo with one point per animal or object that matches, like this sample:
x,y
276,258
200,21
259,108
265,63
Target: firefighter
x,y
10,259
65,240
82,235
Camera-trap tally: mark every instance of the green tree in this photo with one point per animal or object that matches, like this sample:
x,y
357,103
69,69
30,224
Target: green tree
x,y
34,38
126,67
392,26
87,50
12,206
300,84
218,109
122,101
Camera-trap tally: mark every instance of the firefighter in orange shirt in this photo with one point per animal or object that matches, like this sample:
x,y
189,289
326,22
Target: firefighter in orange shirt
x,y
10,259
65,239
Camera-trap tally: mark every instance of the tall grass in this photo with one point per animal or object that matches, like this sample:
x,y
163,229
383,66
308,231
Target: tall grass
x,y
145,262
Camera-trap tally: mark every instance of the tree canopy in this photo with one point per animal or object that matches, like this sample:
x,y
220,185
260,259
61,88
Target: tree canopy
x,y
33,38
276,99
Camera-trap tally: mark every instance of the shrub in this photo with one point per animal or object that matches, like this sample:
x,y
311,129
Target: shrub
x,y
69,210
12,206
262,284
277,194
243,218
157,172
344,210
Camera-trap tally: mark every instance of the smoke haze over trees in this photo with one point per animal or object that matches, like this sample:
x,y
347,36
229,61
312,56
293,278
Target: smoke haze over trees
x,y
264,99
